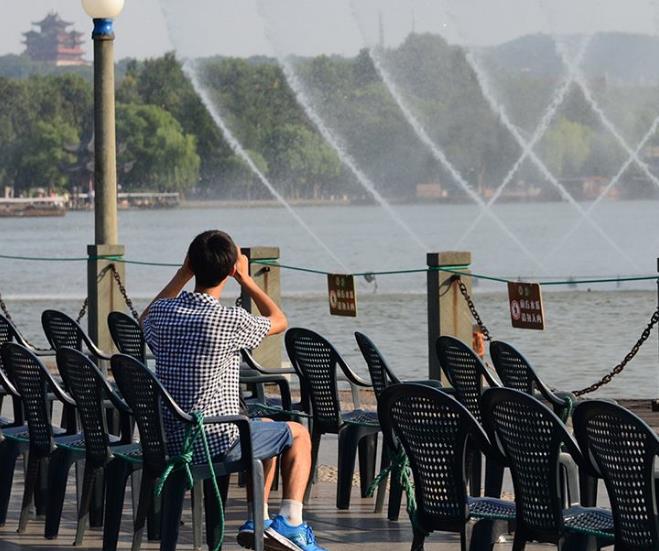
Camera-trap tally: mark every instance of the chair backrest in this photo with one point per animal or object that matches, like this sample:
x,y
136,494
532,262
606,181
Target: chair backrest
x,y
433,429
127,335
86,384
32,382
464,371
624,450
381,375
143,393
512,367
530,436
316,361
61,330
8,333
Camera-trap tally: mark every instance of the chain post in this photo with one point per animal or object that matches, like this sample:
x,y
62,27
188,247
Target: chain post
x,y
472,309
619,368
124,293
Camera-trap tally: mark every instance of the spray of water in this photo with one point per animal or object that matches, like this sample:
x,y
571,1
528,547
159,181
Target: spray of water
x,y
651,132
539,132
580,80
437,152
238,149
486,89
331,138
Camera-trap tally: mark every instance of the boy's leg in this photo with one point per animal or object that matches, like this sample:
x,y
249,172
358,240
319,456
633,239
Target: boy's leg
x,y
296,463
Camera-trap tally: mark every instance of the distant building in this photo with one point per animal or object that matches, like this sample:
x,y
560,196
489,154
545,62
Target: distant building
x,y
54,43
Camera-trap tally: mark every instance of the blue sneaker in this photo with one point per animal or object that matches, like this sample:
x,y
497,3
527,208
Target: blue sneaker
x,y
246,533
281,536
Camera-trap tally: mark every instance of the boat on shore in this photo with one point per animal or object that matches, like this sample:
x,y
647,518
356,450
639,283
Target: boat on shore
x,y
24,207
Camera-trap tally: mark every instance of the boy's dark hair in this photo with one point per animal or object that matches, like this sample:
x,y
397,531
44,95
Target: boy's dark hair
x,y
212,256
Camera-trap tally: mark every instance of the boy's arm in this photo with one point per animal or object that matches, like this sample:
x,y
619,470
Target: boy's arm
x,y
173,288
267,307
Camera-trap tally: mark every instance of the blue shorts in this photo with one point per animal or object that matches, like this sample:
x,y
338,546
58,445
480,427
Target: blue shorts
x,y
269,439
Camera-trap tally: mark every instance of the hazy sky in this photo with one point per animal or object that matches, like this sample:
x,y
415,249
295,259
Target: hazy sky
x,y
247,27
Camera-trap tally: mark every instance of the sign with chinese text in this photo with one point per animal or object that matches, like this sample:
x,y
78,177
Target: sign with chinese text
x,y
526,309
342,295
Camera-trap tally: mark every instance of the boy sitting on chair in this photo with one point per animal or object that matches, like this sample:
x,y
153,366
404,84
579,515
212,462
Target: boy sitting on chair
x,y
196,342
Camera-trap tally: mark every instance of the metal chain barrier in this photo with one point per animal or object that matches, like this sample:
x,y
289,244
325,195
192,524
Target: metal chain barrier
x,y
618,368
472,309
124,293
83,310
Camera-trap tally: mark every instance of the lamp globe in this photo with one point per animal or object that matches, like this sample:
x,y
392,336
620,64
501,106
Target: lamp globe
x,y
103,9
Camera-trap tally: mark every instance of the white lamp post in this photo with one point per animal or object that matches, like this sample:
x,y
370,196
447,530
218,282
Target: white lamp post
x,y
102,294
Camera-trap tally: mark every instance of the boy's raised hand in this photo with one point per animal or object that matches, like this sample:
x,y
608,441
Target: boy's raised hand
x,y
241,273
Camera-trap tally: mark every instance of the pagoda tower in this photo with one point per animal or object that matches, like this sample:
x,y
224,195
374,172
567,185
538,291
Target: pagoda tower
x,y
53,43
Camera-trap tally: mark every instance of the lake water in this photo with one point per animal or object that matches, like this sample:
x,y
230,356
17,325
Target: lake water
x,y
587,331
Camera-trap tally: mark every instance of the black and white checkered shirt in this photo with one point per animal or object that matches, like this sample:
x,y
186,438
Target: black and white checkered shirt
x,y
197,342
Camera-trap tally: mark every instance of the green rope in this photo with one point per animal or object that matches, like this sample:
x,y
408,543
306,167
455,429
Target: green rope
x,y
400,465
184,461
457,270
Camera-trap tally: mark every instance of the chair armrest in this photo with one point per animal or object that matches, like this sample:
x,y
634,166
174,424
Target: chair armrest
x,y
244,430
352,377
58,391
279,380
95,350
434,383
256,366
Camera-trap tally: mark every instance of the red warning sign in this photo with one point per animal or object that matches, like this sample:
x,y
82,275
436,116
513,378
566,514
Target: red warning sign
x,y
526,308
342,295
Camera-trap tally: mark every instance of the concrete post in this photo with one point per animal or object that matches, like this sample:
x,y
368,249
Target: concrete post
x,y
103,294
448,313
268,279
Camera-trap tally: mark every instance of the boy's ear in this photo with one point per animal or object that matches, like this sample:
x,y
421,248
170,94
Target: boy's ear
x,y
233,271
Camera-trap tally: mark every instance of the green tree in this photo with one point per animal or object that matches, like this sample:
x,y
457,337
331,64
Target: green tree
x,y
566,147
43,154
165,157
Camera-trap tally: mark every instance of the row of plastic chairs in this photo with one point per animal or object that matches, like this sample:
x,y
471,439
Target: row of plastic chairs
x,y
436,432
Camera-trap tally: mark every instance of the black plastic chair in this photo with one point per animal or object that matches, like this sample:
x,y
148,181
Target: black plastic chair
x,y
435,430
316,361
146,396
127,335
33,382
623,449
381,377
465,372
90,389
9,333
516,372
63,330
532,438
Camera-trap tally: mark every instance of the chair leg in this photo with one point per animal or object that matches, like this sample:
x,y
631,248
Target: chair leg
x,y
475,473
395,496
98,502
493,478
88,486
519,543
368,447
116,476
485,533
41,489
197,500
418,541
172,507
587,489
348,441
8,455
154,519
31,475
144,508
315,445
382,488
258,482
58,475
